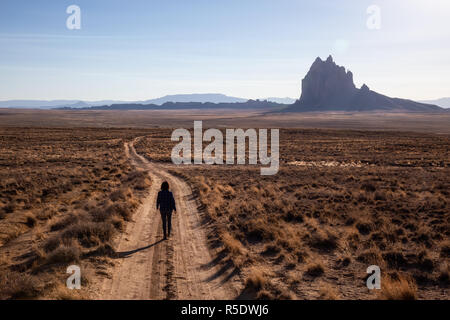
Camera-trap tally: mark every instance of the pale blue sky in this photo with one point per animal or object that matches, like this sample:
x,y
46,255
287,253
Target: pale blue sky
x,y
136,50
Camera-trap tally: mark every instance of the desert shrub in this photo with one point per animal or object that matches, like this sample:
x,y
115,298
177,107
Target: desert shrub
x,y
353,239
445,250
368,187
259,233
118,195
9,208
256,279
89,233
380,196
30,220
315,270
398,288
118,223
231,244
63,254
265,295
104,250
301,255
324,240
45,213
371,256
327,292
122,210
395,259
138,179
15,285
52,243
444,274
425,262
65,222
271,249
365,227
99,214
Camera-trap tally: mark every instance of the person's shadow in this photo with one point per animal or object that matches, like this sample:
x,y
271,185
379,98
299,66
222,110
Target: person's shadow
x,y
126,254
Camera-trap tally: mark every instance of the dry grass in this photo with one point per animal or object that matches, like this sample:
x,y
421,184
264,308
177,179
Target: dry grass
x,y
444,274
328,292
315,270
342,200
398,288
65,193
232,245
257,285
15,285
256,279
330,222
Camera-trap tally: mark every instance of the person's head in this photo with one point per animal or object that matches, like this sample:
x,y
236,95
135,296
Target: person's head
x,y
165,186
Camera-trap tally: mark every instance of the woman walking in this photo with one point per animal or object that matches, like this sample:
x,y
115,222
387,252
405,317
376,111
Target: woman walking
x,y
166,204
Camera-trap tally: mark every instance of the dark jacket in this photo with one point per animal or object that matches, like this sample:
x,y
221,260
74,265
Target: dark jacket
x,y
165,201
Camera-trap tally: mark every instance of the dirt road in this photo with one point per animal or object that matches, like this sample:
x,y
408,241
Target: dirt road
x,y
179,268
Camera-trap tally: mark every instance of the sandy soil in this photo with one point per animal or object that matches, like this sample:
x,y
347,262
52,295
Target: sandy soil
x,y
182,267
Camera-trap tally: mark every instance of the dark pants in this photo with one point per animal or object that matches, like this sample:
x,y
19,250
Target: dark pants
x,y
166,216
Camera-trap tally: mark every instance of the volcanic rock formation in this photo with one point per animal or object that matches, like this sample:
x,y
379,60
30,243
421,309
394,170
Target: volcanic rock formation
x,y
329,87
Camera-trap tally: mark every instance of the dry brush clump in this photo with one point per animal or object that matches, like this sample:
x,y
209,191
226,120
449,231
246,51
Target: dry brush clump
x,y
329,292
257,285
398,287
16,285
69,191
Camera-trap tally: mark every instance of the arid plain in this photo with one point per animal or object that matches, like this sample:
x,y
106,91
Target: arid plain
x,y
354,189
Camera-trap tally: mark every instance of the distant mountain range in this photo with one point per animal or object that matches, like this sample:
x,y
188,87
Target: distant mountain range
x,y
195,97
250,104
326,87
177,98
329,87
442,102
51,104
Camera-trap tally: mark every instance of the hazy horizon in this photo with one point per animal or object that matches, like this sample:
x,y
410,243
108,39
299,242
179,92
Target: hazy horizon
x,y
148,49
